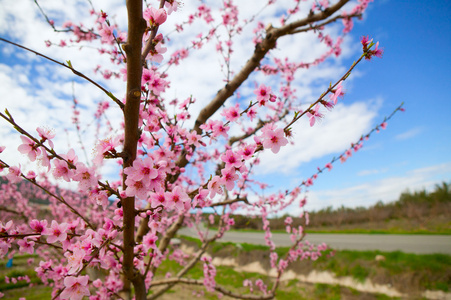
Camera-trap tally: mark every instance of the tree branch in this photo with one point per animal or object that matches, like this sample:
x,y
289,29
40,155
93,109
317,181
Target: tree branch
x,y
136,27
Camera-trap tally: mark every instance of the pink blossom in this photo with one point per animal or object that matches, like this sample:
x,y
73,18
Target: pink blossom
x,y
149,241
324,3
26,245
31,175
247,282
377,52
273,259
157,183
365,41
251,113
329,166
288,220
214,186
261,285
314,114
106,33
273,139
38,226
348,153
14,174
283,264
263,94
209,274
86,177
70,156
231,159
104,147
247,151
136,188
171,5
62,170
156,54
75,287
194,139
67,24
177,198
56,232
157,84
147,75
75,260
143,169
337,93
232,114
343,158
155,17
309,182
200,198
157,199
4,246
220,129
100,197
29,147
229,176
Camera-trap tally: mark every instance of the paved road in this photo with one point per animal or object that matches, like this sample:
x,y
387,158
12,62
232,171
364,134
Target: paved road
x,y
419,244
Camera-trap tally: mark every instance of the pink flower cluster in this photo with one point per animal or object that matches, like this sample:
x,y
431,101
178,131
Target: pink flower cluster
x,y
273,138
209,274
369,53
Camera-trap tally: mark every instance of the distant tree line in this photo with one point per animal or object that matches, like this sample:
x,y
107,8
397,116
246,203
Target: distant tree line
x,y
419,206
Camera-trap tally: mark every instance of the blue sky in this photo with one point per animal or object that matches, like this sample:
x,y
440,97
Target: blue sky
x,y
413,152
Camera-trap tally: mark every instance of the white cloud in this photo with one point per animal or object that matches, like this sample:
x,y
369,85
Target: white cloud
x,y
372,172
409,134
339,128
386,190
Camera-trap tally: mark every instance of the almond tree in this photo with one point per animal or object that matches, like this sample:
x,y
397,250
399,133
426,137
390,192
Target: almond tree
x,y
171,172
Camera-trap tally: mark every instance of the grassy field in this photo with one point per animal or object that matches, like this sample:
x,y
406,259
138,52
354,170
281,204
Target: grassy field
x,y
408,273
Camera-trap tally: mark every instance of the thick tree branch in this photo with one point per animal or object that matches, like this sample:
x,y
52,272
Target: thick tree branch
x,y
136,27
318,26
290,28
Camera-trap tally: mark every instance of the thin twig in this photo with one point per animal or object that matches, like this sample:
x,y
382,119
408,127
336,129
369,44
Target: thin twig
x,y
69,66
